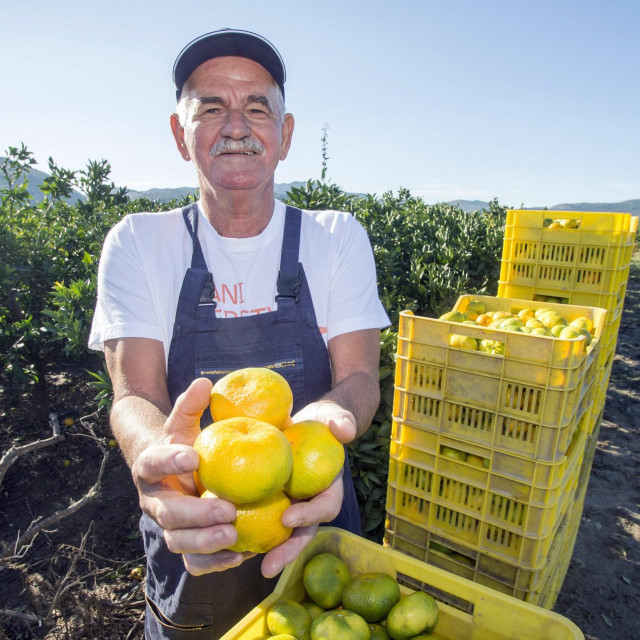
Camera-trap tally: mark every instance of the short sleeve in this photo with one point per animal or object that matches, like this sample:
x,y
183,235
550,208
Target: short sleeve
x,y
124,307
354,303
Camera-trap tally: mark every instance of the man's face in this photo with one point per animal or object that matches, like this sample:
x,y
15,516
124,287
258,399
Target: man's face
x,y
231,128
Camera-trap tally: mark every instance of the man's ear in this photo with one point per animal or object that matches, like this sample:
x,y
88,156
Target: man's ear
x,y
178,135
287,133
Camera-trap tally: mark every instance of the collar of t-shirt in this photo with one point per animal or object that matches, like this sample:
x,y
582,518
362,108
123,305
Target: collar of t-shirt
x,y
244,245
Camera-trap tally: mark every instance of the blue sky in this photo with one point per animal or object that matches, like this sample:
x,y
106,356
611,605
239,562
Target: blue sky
x,y
532,102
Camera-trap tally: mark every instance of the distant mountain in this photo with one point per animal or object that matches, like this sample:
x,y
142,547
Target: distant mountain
x,y
469,205
627,206
177,193
162,195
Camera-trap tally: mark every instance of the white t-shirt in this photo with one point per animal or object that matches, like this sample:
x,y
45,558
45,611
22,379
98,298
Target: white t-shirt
x,y
146,255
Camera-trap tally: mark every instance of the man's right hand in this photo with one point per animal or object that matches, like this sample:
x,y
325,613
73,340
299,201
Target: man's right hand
x,y
163,473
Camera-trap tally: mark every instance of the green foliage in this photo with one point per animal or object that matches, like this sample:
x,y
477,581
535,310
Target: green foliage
x,y
426,255
319,195
48,265
102,384
71,313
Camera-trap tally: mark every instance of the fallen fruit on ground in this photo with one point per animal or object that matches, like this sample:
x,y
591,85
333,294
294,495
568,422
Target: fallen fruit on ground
x,y
317,457
242,459
253,392
324,577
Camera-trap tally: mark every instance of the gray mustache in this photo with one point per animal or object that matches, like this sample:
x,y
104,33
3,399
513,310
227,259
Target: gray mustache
x,y
227,145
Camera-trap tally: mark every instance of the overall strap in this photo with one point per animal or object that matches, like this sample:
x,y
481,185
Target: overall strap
x,y
190,215
207,292
289,277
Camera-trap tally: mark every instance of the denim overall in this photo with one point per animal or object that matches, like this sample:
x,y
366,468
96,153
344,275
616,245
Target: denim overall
x,y
179,605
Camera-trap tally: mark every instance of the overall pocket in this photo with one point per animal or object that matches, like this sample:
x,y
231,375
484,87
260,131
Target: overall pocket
x,y
195,622
282,356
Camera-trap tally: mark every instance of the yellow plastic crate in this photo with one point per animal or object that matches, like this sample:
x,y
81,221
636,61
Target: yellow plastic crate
x,y
563,277
466,488
494,616
593,229
505,433
609,341
510,417
549,592
519,477
600,389
609,301
537,360
589,453
488,510
504,577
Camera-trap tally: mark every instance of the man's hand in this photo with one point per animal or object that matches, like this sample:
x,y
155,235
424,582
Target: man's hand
x,y
304,517
341,422
163,473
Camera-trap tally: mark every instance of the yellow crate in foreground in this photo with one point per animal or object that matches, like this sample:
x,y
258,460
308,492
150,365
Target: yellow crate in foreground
x,y
495,616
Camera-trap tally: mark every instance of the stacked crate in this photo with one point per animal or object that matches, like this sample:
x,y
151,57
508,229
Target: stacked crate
x,y
487,449
586,263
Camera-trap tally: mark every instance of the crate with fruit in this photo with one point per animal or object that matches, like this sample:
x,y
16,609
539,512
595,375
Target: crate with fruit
x,y
580,245
348,588
479,373
576,259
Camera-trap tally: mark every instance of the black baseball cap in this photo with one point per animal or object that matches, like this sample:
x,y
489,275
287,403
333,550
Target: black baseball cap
x,y
228,42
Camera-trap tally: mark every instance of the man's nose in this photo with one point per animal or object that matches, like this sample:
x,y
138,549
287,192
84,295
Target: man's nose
x,y
235,126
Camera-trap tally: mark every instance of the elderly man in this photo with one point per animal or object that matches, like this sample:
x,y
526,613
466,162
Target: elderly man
x,y
233,281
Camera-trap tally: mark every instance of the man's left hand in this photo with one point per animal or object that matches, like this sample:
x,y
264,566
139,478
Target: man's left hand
x,y
305,516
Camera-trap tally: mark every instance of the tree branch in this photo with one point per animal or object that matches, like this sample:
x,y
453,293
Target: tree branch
x,y
15,452
22,545
27,617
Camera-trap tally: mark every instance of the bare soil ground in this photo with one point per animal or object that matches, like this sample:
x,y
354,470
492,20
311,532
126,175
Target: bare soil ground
x,y
81,576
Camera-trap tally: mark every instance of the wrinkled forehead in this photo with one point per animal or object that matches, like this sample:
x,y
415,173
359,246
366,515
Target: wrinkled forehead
x,y
230,74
